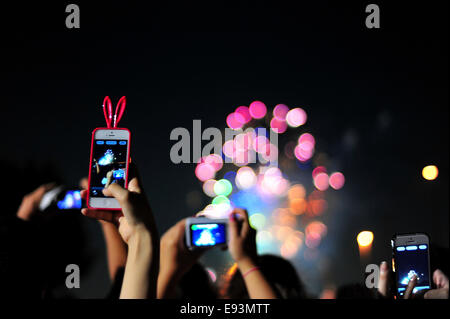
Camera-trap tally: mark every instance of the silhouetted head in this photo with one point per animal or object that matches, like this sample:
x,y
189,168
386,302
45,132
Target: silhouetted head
x,y
21,260
197,284
355,291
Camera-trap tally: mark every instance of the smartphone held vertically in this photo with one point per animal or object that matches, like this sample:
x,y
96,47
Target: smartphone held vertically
x,y
202,232
110,154
411,256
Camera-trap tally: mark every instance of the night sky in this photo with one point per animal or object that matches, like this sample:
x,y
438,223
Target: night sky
x,y
386,90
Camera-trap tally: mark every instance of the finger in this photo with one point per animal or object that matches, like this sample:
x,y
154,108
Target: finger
x,y
179,230
409,289
84,194
84,184
383,279
441,293
135,181
116,191
111,217
133,186
242,213
233,226
180,225
440,280
123,228
41,190
96,214
245,223
123,197
120,220
171,236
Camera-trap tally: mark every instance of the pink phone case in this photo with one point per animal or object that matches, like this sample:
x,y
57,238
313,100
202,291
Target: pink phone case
x,y
90,165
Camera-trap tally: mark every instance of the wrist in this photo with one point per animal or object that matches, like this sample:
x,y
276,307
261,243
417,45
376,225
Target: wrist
x,y
140,242
246,263
168,279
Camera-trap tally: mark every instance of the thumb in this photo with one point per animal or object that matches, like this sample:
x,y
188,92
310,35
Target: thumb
x,y
440,279
441,293
115,190
84,183
118,192
383,279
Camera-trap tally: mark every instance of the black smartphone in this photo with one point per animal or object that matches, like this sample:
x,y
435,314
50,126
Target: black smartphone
x,y
411,256
202,232
62,198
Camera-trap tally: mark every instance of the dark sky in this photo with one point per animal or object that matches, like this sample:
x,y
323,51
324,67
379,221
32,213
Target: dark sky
x,y
176,63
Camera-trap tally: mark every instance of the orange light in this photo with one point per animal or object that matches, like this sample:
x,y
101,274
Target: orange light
x,y
328,293
365,238
283,232
317,228
298,206
296,191
318,206
232,270
282,216
430,172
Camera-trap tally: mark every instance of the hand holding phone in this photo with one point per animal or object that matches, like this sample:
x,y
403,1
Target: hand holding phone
x,y
242,243
175,259
411,261
135,215
30,203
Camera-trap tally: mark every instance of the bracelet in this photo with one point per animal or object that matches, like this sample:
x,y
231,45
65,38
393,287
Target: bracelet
x,y
249,271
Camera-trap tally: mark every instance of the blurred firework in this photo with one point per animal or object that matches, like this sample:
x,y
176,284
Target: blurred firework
x,y
285,193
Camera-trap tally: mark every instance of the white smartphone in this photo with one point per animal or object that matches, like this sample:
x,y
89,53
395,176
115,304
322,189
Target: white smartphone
x,y
110,154
411,254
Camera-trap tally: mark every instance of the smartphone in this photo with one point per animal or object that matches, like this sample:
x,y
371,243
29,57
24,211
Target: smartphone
x,y
411,256
202,232
61,198
110,157
71,199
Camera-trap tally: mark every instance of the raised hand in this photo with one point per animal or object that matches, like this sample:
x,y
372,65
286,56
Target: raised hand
x,y
175,259
30,202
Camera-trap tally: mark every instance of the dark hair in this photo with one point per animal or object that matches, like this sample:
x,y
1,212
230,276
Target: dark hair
x,y
280,274
355,291
439,259
197,284
21,268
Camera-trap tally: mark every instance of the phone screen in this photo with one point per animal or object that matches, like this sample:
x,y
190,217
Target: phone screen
x,y
72,200
204,235
412,260
109,163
